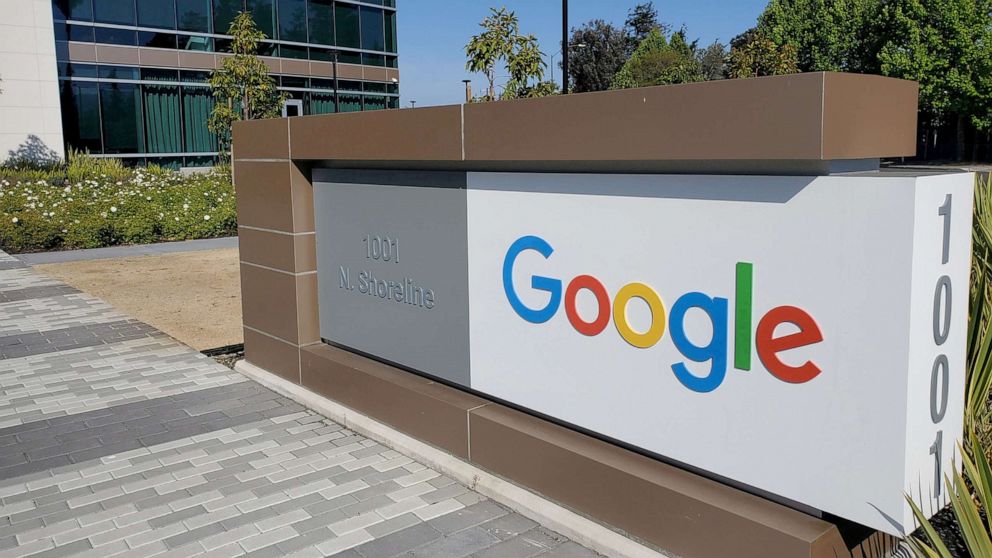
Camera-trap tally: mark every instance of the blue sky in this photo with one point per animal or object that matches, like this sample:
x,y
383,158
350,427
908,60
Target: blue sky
x,y
433,34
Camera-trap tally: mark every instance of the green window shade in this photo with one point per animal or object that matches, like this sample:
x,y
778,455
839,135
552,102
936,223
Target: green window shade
x,y
372,35
81,116
197,105
346,25
321,22
160,13
121,110
114,11
351,103
375,102
293,20
390,31
224,13
162,120
321,103
263,12
194,15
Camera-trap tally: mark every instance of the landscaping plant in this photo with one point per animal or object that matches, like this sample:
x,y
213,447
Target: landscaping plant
x,y
971,493
94,202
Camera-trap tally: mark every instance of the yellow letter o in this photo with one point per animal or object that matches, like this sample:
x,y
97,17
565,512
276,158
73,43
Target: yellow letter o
x,y
648,295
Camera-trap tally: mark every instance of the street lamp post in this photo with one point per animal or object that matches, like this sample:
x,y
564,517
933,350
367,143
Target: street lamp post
x,y
564,76
564,47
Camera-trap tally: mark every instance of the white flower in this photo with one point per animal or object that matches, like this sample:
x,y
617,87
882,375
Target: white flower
x,y
113,209
15,220
185,206
177,218
206,217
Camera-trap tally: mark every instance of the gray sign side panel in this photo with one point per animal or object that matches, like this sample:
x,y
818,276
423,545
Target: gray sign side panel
x,y
365,302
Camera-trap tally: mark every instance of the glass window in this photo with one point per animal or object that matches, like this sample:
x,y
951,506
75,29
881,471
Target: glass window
x,y
375,87
81,115
196,42
393,88
390,31
390,3
156,40
372,37
121,110
114,11
224,13
82,70
194,76
267,49
394,102
198,103
347,85
81,33
61,32
223,45
321,103
346,57
293,20
293,52
317,83
346,25
194,15
373,60
158,74
201,161
321,22
392,62
350,102
162,119
73,9
374,102
119,72
160,13
294,81
264,14
116,36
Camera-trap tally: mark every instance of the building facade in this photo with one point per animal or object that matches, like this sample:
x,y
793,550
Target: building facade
x,y
128,78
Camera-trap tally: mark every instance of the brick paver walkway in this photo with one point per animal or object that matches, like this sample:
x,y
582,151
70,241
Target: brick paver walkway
x,y
116,440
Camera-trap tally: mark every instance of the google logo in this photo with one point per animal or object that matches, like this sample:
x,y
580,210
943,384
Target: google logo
x,y
716,351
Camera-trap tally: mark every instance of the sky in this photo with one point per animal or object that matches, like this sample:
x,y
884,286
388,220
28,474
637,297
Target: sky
x,y
432,34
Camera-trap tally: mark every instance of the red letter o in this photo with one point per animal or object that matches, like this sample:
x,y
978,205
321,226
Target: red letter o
x,y
593,285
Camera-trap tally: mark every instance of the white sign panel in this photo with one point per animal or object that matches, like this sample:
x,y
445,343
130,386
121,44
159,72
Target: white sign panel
x,y
803,336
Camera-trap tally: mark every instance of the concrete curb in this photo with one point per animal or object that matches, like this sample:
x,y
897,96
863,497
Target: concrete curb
x,y
549,514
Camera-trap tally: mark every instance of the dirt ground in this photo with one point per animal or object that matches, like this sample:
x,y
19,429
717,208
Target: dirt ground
x,y
193,296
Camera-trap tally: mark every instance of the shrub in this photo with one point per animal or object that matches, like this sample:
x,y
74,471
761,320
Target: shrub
x,y
93,202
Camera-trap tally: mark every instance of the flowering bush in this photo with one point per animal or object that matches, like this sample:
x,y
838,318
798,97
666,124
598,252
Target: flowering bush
x,y
90,203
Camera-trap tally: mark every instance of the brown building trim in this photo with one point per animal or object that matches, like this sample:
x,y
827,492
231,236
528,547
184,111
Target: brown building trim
x,y
802,117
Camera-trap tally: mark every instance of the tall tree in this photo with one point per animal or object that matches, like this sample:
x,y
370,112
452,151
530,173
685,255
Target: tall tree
x,y
828,35
713,61
641,20
945,45
501,42
753,54
592,67
659,62
242,87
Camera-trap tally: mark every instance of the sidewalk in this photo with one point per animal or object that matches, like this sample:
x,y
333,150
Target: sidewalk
x,y
116,440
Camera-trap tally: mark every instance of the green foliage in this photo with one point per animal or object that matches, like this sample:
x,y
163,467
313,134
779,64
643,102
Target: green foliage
x,y
753,54
659,62
836,35
501,41
242,87
946,45
642,19
713,61
593,67
94,202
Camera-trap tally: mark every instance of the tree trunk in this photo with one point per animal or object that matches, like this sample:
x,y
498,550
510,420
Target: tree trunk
x,y
959,147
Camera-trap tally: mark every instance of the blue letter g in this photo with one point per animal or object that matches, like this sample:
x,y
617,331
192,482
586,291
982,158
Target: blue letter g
x,y
552,286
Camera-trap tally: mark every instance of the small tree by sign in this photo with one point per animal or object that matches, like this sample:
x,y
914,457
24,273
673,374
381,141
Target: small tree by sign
x,y
242,87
